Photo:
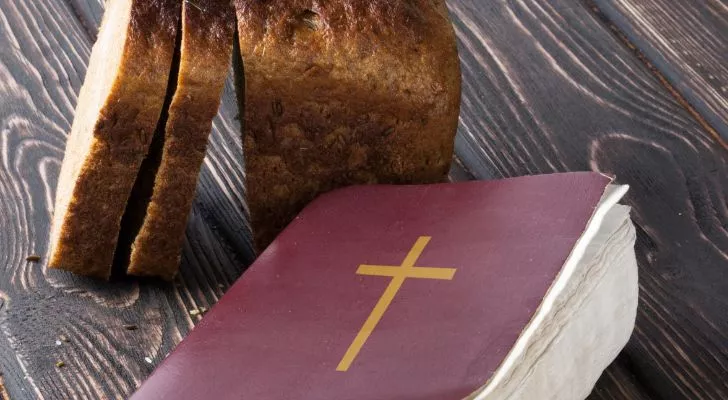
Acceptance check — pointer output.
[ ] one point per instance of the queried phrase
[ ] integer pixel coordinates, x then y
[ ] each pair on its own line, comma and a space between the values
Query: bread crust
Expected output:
343, 92
208, 28
94, 187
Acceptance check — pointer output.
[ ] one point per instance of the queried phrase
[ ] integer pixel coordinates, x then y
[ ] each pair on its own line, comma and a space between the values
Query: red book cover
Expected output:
386, 292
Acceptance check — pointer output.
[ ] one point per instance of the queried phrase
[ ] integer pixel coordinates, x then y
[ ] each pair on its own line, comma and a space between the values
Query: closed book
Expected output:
522, 288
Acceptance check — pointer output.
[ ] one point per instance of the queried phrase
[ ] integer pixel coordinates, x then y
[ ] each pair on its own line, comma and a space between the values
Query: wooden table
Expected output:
636, 88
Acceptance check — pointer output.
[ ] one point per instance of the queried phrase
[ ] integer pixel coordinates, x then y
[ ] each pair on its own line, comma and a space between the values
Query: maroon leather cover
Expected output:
282, 331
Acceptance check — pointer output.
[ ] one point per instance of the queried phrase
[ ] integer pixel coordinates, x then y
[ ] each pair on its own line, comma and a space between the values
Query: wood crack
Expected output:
619, 34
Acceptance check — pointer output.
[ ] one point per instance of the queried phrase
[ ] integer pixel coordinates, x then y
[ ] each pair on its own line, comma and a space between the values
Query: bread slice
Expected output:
342, 92
207, 32
118, 108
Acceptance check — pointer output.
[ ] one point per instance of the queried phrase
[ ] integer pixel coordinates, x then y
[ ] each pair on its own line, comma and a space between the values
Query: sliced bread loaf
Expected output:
207, 33
334, 93
118, 108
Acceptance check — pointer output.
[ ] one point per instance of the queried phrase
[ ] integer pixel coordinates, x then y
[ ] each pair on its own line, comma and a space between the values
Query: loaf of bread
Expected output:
118, 108
206, 45
335, 93
331, 93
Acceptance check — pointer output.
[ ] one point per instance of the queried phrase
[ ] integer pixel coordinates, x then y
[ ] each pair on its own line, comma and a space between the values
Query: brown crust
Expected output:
88, 229
3, 392
343, 92
207, 35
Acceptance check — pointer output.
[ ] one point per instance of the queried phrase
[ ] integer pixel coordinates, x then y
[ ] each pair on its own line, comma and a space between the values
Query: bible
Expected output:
522, 288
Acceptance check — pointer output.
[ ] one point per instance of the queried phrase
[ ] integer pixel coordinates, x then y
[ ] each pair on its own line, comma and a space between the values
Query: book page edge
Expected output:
610, 198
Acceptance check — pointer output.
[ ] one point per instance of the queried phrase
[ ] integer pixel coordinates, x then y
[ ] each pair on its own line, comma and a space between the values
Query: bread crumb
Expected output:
60, 364
3, 392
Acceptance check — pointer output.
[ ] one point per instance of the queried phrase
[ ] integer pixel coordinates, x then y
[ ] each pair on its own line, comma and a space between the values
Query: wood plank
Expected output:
617, 382
548, 87
687, 41
89, 13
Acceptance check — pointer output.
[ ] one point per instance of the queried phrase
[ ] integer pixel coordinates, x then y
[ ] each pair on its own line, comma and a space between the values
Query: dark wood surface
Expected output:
687, 41
548, 86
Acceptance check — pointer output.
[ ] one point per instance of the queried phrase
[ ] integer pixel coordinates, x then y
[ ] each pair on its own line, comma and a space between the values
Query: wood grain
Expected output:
546, 88
687, 41
549, 88
89, 14
618, 382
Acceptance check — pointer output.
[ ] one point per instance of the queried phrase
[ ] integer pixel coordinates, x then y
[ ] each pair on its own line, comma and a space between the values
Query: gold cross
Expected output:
398, 273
